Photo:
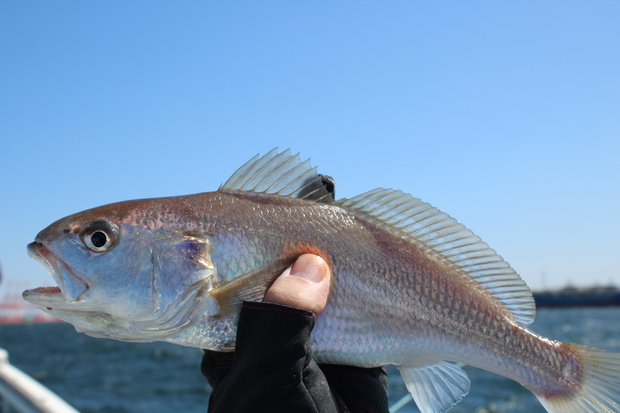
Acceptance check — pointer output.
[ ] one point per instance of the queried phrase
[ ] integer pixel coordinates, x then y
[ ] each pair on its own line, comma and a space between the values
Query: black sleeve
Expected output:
272, 369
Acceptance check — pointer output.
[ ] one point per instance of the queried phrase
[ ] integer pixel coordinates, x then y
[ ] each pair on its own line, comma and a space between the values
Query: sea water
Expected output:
97, 376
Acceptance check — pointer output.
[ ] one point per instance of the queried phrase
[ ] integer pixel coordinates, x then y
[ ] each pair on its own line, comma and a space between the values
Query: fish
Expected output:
411, 286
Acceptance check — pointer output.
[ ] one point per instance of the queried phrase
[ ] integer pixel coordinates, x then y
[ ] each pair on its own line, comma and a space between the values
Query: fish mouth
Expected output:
71, 288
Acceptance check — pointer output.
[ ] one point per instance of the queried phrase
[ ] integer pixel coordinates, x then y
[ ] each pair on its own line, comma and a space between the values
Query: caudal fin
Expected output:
599, 389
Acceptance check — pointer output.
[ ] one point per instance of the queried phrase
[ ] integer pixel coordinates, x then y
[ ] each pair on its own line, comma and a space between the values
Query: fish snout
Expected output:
37, 250
71, 285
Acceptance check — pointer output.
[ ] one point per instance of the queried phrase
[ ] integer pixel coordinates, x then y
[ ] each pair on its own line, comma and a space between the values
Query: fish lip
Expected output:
45, 297
44, 256
57, 268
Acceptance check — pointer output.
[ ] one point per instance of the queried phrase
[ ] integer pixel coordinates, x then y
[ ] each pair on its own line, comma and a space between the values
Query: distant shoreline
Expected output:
578, 297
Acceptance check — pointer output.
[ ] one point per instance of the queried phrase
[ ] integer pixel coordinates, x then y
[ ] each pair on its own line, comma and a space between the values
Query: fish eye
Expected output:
100, 236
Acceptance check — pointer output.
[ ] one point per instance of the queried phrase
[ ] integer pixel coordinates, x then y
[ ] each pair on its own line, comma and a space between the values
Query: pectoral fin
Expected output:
437, 387
251, 286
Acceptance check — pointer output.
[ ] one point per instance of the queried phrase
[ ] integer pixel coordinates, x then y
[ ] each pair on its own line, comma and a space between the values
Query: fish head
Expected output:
130, 271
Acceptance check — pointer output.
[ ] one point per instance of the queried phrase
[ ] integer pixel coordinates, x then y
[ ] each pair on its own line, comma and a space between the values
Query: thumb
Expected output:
303, 285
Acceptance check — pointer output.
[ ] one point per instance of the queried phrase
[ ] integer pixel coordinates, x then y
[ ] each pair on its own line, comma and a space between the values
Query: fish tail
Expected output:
598, 389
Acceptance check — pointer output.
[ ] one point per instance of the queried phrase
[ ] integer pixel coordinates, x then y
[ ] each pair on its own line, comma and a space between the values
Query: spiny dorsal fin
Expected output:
281, 174
442, 236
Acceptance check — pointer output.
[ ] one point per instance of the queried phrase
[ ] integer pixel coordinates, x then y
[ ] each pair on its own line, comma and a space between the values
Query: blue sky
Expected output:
505, 115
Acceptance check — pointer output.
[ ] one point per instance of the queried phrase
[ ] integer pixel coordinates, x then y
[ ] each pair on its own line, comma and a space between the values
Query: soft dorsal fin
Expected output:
281, 174
442, 236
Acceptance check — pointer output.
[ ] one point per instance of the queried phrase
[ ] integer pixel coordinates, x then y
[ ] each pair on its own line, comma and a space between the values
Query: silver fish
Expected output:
411, 286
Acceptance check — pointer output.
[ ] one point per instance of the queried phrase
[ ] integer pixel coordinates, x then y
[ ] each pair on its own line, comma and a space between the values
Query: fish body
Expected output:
411, 286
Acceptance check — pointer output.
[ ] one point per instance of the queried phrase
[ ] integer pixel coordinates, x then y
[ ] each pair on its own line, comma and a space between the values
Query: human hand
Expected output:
304, 285
273, 365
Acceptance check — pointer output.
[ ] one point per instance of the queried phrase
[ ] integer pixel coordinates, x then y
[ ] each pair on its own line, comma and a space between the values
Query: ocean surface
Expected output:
97, 376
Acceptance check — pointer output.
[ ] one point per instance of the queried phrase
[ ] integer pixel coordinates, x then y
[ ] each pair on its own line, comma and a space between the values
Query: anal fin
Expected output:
437, 387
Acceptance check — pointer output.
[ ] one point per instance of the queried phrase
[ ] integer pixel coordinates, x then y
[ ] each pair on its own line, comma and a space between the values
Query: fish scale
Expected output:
410, 286
431, 292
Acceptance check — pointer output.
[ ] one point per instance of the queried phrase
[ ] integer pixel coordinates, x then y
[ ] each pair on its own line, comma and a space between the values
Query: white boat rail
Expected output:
19, 393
